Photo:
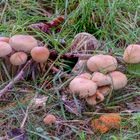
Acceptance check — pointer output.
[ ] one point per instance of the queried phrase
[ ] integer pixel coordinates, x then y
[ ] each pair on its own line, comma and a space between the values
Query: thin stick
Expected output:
15, 80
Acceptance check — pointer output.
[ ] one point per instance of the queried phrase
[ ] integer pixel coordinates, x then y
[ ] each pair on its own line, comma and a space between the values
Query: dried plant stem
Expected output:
15, 80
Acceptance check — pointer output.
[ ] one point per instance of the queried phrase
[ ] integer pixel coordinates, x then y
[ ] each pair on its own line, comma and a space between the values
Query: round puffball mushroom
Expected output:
4, 39
40, 54
5, 49
84, 42
23, 42
101, 79
83, 87
132, 54
49, 119
119, 80
106, 63
18, 58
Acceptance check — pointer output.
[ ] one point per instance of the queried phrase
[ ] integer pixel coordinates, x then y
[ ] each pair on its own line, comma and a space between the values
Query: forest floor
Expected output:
115, 24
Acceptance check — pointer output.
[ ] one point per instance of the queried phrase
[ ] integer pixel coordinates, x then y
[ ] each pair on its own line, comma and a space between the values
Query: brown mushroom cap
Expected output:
119, 80
101, 79
49, 119
5, 49
132, 54
23, 42
83, 87
40, 54
102, 62
18, 58
4, 39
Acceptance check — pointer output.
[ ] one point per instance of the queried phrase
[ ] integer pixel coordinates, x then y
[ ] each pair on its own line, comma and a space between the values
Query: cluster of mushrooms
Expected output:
18, 47
102, 76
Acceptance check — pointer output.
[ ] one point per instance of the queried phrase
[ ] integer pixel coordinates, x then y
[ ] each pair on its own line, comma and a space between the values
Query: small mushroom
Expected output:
18, 58
101, 79
23, 42
84, 42
132, 54
4, 39
5, 49
102, 62
105, 90
49, 119
119, 80
92, 100
40, 54
82, 86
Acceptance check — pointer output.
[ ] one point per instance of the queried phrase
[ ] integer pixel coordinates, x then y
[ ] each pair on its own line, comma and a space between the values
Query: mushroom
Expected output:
18, 58
4, 39
84, 41
23, 42
40, 54
132, 54
92, 100
102, 62
119, 80
101, 79
49, 119
5, 49
105, 90
82, 86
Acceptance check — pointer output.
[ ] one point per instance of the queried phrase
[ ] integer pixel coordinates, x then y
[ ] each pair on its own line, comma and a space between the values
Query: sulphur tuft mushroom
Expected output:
18, 58
84, 42
49, 119
40, 54
4, 39
5, 49
105, 63
83, 87
101, 79
119, 80
132, 54
23, 42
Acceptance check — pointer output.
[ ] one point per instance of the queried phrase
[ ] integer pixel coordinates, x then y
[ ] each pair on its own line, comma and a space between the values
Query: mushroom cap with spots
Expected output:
119, 80
132, 54
101, 79
105, 63
5, 49
40, 54
18, 58
23, 42
83, 87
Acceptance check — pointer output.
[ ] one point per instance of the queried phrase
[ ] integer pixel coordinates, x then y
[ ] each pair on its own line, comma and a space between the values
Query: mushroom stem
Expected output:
15, 80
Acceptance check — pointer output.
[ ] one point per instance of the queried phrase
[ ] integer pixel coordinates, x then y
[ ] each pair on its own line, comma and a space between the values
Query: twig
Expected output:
15, 80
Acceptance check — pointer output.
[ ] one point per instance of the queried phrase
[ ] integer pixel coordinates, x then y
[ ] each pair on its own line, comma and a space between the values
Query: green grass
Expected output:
114, 23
